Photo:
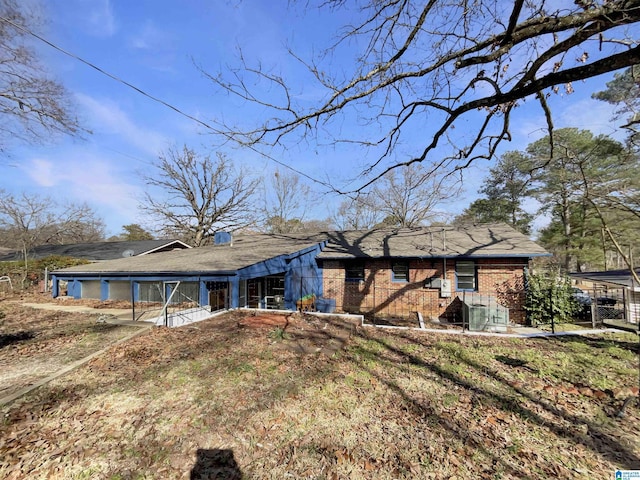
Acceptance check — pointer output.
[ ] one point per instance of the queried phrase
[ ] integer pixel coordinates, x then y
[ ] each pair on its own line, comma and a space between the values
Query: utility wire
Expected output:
158, 100
113, 77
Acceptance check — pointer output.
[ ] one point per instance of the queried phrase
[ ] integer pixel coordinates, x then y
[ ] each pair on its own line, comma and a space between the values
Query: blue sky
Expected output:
153, 45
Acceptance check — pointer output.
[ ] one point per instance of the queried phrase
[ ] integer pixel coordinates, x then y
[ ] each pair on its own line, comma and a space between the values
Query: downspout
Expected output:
444, 266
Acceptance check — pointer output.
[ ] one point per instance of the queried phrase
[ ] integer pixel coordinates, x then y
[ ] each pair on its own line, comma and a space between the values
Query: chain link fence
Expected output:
168, 303
614, 305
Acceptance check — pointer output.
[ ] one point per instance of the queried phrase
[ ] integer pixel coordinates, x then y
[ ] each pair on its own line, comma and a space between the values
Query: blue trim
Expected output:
203, 294
135, 287
393, 274
475, 277
74, 289
55, 286
439, 257
302, 276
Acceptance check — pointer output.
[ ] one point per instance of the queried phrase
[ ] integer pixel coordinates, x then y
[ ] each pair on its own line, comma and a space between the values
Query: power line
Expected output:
160, 101
110, 75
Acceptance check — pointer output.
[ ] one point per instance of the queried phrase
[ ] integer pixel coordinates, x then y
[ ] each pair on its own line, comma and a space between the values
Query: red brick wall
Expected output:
379, 294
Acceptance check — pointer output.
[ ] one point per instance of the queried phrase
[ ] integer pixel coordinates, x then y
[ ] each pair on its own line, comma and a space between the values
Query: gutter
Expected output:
145, 273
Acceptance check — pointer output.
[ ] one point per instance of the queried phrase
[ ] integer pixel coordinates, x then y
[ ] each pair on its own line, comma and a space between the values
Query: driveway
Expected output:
119, 313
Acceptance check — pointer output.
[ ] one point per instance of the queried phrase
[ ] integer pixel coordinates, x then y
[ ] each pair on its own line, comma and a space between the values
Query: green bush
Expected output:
55, 262
549, 297
35, 268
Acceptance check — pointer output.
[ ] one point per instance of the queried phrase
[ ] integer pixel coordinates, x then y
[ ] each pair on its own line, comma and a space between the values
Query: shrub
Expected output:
35, 268
549, 297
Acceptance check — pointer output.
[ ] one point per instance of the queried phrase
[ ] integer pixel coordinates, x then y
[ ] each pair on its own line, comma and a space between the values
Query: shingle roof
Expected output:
248, 249
488, 240
97, 251
245, 250
615, 277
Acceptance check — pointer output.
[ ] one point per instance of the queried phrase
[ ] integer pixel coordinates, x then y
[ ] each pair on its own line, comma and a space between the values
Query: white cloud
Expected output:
100, 19
529, 123
587, 114
80, 176
42, 172
149, 37
109, 118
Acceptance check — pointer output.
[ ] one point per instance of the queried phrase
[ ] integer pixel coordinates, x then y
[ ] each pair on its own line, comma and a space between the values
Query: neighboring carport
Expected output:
610, 289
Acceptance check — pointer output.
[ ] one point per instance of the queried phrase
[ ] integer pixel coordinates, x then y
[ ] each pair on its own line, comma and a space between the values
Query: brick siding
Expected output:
378, 294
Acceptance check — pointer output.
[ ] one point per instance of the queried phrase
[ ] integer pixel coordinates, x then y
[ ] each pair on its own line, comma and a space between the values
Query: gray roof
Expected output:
487, 240
97, 251
243, 251
249, 249
615, 277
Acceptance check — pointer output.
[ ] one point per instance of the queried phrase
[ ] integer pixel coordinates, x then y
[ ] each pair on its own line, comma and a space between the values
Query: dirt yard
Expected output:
245, 396
35, 343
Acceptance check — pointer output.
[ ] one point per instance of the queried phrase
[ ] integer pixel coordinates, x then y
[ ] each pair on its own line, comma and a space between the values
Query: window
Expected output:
466, 276
354, 272
400, 272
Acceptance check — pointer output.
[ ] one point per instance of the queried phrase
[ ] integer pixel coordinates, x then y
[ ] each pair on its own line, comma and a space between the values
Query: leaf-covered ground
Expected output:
36, 343
301, 397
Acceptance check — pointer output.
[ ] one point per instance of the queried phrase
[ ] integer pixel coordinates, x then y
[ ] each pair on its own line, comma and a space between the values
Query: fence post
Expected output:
373, 310
464, 301
553, 315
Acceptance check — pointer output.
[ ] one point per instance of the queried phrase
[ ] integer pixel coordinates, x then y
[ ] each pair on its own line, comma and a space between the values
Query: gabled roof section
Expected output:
488, 240
98, 251
245, 250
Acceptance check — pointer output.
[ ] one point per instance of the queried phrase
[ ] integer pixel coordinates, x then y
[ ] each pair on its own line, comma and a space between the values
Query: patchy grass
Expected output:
36, 343
229, 398
566, 326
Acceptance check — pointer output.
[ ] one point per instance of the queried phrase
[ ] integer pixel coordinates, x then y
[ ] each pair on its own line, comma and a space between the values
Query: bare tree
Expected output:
31, 220
196, 195
410, 196
86, 227
32, 105
286, 202
455, 71
358, 213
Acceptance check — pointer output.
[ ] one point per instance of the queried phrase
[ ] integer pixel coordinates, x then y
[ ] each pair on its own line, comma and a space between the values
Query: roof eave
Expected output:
148, 273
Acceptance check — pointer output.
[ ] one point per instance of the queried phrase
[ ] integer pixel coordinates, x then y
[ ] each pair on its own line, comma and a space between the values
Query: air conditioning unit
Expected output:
484, 314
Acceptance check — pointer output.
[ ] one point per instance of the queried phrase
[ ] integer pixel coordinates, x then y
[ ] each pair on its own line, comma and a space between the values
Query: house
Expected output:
613, 287
98, 251
253, 270
427, 270
383, 272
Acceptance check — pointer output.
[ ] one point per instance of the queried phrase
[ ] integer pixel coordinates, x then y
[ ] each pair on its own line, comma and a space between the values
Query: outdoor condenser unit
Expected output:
484, 314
